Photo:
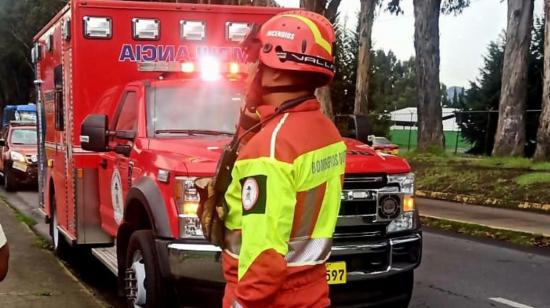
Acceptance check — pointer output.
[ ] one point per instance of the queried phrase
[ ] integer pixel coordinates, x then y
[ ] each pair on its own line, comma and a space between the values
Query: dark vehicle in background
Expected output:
383, 145
354, 126
359, 128
19, 157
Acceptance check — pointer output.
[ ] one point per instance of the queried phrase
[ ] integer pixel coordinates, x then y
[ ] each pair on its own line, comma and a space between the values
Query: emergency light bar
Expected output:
208, 68
145, 29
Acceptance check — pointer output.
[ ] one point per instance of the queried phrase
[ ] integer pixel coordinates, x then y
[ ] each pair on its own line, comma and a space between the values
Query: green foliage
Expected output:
460, 175
533, 178
343, 84
392, 82
447, 6
484, 95
20, 20
29, 221
511, 163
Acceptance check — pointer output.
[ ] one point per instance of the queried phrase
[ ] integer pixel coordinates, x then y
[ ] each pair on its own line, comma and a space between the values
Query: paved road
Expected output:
456, 271
507, 219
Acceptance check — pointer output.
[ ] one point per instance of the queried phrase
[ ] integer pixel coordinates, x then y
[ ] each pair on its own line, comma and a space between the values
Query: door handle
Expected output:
103, 163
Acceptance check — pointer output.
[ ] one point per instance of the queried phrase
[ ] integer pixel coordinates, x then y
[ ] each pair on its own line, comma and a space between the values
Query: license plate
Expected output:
20, 166
336, 272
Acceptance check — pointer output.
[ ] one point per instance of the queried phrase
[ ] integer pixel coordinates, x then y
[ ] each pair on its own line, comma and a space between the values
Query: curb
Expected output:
485, 225
482, 200
40, 228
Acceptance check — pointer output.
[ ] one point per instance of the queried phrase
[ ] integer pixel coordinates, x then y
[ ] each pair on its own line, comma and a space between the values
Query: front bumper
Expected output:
376, 259
26, 175
365, 261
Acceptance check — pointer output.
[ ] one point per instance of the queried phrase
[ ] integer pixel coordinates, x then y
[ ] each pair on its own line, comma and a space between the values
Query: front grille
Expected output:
348, 208
365, 181
31, 159
359, 233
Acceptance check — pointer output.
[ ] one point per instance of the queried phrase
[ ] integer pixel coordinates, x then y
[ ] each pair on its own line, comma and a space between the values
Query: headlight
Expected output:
405, 181
16, 156
404, 222
187, 200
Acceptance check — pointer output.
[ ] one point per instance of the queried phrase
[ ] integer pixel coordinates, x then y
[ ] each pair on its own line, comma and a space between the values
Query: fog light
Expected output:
404, 222
190, 227
389, 207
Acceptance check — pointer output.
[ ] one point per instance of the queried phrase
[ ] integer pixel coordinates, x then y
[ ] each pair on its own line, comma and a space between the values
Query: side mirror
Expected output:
94, 133
363, 129
2, 143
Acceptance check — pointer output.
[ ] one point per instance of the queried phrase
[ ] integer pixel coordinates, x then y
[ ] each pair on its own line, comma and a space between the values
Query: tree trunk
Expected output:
543, 134
426, 45
366, 18
323, 93
317, 6
510, 135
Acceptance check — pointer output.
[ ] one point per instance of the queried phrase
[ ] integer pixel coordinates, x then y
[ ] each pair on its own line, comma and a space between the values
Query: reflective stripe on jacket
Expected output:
284, 200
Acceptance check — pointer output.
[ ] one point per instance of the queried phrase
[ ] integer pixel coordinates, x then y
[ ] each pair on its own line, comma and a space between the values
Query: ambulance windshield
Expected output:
205, 109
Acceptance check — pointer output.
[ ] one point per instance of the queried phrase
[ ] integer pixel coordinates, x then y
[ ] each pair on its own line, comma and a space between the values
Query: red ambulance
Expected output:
136, 102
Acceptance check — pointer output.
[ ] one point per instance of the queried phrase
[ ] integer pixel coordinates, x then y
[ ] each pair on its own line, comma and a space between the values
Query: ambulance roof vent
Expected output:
98, 27
146, 29
236, 31
193, 30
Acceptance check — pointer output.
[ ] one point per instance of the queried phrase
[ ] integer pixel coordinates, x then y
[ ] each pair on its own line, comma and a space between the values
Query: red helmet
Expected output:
299, 41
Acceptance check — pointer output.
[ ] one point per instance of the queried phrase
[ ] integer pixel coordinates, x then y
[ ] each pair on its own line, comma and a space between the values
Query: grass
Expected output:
29, 221
401, 138
533, 178
517, 238
513, 163
512, 180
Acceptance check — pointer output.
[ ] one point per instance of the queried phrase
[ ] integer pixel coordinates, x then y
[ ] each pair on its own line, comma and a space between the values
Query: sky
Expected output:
463, 38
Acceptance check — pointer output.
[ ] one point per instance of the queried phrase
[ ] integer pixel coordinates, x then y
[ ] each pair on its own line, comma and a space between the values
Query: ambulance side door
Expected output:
115, 167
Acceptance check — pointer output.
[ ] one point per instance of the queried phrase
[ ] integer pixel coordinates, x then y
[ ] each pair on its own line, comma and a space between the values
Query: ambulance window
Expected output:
58, 98
127, 118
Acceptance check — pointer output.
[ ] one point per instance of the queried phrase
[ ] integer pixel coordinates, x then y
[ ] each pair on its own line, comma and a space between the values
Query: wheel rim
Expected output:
136, 291
55, 231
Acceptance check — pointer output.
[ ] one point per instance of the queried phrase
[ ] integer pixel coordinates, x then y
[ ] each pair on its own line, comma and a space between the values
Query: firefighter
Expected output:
284, 196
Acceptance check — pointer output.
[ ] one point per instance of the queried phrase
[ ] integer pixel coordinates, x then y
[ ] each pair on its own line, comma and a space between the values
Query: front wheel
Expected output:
9, 180
143, 284
405, 284
60, 245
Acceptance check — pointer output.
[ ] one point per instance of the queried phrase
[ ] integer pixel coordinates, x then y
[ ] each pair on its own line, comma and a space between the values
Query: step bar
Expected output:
108, 257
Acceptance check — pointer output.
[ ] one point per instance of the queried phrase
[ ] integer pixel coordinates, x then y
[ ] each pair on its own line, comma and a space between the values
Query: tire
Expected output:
60, 246
9, 181
405, 285
144, 285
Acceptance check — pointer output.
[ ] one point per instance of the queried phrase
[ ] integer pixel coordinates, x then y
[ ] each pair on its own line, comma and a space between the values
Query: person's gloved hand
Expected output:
211, 212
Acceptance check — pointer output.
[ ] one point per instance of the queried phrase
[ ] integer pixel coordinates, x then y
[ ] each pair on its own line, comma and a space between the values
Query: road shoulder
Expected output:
36, 278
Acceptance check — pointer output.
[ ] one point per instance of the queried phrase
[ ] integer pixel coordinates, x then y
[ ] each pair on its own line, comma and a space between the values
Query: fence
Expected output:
463, 130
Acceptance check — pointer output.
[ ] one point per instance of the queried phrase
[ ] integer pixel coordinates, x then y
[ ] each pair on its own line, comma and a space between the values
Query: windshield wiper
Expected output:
192, 132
